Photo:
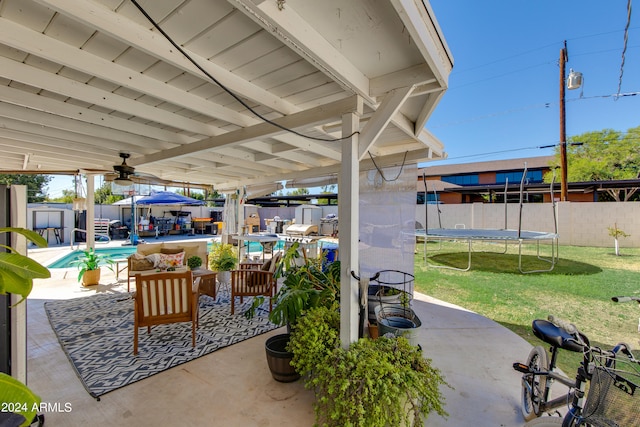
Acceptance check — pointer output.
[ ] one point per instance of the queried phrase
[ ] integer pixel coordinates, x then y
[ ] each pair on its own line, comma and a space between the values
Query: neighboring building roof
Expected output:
437, 185
490, 166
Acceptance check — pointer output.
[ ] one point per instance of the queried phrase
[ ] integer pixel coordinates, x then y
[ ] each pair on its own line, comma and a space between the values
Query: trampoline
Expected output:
494, 235
505, 235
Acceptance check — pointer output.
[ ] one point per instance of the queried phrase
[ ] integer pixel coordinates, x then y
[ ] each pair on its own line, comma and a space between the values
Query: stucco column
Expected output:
348, 214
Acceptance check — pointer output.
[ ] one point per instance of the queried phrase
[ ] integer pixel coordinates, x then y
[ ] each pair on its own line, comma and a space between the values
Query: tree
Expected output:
104, 195
36, 185
604, 155
299, 192
193, 194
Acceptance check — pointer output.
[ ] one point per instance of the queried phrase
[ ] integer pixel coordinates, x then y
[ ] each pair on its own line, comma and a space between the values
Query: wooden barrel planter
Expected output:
279, 359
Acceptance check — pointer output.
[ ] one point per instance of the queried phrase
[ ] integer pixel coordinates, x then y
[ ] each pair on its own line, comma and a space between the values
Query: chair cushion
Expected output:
171, 260
171, 251
254, 279
149, 248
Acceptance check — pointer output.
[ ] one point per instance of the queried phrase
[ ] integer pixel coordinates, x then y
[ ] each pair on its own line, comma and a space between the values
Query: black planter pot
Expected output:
279, 359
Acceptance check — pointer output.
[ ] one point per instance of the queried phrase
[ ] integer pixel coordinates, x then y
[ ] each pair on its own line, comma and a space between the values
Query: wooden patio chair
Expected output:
253, 282
163, 298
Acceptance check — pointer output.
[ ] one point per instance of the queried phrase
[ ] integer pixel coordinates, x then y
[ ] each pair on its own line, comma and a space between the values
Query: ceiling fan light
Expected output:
123, 181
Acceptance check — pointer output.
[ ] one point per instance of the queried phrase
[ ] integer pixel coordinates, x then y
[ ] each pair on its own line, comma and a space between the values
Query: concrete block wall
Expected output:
579, 224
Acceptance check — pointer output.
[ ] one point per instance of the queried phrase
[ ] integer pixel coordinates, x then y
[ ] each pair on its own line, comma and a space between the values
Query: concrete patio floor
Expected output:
233, 386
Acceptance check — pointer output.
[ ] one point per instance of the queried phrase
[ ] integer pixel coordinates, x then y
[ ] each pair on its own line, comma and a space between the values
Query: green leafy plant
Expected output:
91, 261
16, 276
18, 271
314, 337
194, 262
305, 285
222, 257
373, 383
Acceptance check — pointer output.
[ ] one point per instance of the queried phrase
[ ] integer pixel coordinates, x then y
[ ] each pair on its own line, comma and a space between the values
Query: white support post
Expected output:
348, 212
91, 200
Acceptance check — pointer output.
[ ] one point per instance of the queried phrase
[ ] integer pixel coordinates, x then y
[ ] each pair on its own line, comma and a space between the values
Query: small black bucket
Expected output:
279, 359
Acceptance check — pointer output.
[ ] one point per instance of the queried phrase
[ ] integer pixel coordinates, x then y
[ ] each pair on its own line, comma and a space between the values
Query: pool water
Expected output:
113, 253
124, 251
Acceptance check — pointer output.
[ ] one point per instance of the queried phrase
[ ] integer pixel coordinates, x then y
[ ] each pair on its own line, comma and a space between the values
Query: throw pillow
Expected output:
266, 266
154, 259
140, 263
171, 260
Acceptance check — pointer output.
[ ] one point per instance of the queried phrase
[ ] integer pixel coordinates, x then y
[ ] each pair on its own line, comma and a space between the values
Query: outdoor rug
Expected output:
96, 333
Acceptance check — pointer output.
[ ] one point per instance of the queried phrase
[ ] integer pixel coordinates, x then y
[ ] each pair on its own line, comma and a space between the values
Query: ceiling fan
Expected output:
124, 171
125, 175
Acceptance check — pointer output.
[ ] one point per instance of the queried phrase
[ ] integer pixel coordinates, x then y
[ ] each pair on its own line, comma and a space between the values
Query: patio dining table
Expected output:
267, 241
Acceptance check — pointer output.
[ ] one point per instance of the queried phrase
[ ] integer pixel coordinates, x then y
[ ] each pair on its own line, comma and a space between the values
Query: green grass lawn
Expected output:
579, 289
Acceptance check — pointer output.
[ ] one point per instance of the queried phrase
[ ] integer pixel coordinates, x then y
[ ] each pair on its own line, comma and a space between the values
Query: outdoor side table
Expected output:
207, 281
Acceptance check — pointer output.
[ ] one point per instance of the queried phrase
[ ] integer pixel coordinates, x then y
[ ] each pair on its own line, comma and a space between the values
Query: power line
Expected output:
509, 58
624, 48
529, 107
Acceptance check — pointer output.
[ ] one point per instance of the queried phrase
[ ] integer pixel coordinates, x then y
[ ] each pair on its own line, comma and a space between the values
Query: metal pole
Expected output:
563, 136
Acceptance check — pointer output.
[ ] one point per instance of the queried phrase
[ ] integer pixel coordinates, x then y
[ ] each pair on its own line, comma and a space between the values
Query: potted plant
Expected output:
304, 286
89, 267
222, 259
16, 277
194, 262
373, 383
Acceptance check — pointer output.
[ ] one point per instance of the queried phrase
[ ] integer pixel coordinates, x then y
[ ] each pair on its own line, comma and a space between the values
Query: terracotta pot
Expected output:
373, 331
91, 277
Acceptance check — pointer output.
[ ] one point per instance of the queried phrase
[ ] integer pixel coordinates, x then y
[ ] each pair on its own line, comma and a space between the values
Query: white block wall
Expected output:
579, 224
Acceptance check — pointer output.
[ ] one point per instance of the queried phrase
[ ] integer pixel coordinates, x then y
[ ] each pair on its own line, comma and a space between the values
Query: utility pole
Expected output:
564, 192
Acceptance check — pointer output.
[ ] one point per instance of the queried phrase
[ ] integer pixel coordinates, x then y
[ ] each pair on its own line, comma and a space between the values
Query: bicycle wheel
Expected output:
533, 385
545, 422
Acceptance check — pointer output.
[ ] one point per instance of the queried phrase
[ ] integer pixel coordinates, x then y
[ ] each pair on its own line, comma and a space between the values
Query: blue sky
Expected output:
503, 95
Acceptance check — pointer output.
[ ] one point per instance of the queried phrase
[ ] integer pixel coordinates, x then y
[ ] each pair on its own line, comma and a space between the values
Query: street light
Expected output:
574, 82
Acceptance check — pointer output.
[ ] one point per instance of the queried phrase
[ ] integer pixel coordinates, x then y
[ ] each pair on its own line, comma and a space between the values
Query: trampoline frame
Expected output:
496, 235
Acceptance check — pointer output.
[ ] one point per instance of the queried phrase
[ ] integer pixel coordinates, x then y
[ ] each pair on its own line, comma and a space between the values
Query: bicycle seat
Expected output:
557, 337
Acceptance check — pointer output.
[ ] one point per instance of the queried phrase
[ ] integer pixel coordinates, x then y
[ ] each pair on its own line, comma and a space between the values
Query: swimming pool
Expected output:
123, 252
113, 253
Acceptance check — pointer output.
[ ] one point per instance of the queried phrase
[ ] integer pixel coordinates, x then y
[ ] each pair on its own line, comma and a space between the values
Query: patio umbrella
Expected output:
168, 198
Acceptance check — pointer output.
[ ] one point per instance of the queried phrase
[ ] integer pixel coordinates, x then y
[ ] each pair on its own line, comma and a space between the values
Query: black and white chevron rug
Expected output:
96, 333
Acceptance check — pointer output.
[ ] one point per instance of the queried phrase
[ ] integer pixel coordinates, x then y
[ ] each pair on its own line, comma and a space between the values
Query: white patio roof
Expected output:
82, 80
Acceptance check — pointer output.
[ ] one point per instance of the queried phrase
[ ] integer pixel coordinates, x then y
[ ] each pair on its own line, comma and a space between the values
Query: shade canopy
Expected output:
128, 201
168, 198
